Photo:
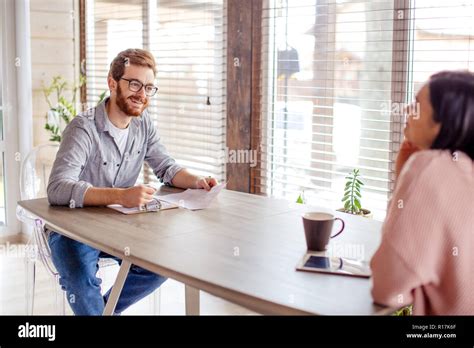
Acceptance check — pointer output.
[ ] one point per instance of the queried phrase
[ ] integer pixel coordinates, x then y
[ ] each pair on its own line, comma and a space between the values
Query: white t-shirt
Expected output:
120, 135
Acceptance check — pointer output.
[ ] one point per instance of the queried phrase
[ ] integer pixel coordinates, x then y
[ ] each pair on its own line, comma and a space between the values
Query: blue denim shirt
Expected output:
88, 156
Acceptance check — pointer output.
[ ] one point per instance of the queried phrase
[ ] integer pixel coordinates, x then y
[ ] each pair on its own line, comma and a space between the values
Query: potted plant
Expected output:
352, 195
61, 109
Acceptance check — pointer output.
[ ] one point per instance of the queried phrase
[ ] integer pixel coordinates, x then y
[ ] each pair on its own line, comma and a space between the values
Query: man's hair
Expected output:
131, 56
452, 98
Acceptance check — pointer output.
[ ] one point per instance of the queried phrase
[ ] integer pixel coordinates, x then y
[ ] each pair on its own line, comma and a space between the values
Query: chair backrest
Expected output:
34, 176
35, 171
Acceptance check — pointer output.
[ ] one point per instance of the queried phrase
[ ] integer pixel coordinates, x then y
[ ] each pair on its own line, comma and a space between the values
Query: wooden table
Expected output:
244, 248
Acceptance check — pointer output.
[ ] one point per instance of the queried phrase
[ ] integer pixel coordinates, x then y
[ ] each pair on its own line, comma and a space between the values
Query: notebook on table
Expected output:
153, 206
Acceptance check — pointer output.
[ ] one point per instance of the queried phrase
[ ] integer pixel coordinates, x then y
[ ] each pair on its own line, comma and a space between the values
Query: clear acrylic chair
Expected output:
34, 176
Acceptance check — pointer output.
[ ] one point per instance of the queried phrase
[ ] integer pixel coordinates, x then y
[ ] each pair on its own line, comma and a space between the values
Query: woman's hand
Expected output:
406, 150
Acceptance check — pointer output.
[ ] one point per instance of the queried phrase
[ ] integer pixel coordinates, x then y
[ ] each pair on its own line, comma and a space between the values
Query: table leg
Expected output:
191, 300
117, 287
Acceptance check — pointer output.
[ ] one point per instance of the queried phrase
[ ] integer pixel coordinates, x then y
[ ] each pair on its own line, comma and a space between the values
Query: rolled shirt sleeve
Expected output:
64, 186
163, 165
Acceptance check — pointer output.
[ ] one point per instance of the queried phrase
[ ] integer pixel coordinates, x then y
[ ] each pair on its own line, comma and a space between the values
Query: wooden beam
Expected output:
255, 131
239, 91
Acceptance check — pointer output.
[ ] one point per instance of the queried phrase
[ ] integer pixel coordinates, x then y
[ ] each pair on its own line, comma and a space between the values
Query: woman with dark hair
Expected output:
426, 256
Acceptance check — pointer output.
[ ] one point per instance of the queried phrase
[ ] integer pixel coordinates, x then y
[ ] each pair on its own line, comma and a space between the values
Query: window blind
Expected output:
190, 46
336, 77
442, 38
187, 39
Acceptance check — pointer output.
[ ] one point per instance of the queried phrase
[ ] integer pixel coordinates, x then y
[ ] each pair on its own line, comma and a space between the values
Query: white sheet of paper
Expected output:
193, 199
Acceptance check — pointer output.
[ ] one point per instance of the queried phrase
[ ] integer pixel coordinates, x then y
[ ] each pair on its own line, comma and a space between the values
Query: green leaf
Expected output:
357, 203
55, 138
299, 199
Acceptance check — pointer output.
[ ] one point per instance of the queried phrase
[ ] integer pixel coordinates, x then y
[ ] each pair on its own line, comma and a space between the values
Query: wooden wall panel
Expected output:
53, 52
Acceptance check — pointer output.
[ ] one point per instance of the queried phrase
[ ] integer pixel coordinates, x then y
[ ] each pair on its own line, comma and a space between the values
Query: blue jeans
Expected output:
77, 265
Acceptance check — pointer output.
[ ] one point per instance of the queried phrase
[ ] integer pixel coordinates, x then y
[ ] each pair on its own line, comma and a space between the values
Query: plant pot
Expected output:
364, 213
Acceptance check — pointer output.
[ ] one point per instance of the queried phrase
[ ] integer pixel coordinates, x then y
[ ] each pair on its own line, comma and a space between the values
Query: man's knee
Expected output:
75, 262
79, 279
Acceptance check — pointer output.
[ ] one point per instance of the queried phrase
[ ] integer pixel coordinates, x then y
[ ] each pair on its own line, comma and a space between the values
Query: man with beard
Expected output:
101, 155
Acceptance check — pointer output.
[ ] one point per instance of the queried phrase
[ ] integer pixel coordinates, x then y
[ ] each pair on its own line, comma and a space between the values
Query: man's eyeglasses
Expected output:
136, 86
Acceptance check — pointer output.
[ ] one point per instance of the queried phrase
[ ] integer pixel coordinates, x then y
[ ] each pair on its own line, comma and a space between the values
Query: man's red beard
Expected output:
128, 105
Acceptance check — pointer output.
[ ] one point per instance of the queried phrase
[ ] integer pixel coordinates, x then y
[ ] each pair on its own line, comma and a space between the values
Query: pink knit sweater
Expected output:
427, 252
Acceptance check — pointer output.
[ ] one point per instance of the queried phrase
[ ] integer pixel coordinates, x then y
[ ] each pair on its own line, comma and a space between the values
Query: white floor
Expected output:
13, 293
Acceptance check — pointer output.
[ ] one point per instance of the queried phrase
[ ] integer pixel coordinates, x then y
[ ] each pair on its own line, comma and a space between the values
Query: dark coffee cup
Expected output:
318, 228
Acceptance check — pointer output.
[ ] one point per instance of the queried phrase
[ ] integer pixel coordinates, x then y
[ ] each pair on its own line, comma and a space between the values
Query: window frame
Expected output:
14, 19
